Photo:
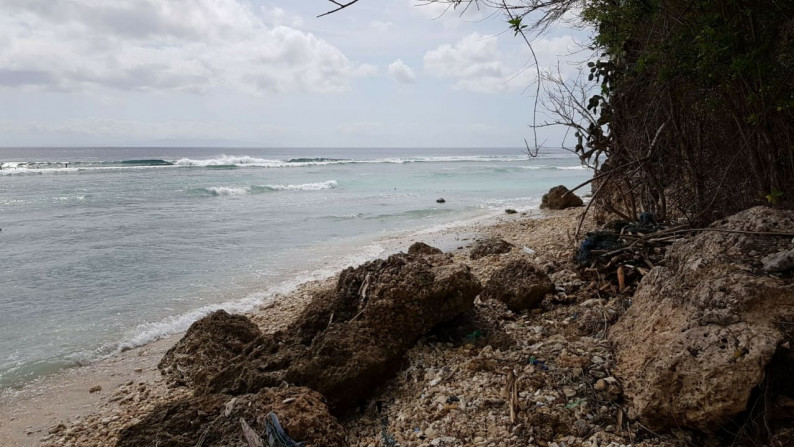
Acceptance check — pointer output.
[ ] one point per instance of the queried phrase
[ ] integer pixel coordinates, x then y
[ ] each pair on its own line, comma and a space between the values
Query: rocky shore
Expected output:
507, 341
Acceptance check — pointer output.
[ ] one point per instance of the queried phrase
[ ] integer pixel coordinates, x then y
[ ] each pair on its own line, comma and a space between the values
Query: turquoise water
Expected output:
107, 248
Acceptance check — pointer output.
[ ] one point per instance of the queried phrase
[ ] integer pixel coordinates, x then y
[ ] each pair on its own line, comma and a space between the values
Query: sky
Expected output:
232, 73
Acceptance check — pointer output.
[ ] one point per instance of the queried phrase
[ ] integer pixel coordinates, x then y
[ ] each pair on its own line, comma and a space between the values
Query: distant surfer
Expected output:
66, 165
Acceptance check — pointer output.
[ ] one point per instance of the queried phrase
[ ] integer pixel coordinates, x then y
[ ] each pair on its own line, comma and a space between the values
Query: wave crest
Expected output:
260, 189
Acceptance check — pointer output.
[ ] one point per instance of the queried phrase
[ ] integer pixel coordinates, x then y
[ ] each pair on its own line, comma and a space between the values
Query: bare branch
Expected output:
340, 6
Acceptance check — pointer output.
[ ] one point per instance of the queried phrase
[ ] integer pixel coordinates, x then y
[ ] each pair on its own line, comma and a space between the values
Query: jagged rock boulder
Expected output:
420, 248
351, 339
558, 198
779, 262
216, 417
195, 357
489, 246
519, 284
702, 330
405, 298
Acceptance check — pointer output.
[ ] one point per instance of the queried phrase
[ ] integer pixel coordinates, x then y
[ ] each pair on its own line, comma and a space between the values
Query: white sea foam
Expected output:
243, 190
243, 161
573, 168
227, 191
229, 160
561, 168
151, 332
247, 161
305, 186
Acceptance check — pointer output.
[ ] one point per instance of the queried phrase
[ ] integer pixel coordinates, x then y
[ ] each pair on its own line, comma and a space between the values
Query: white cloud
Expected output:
477, 64
401, 73
381, 27
474, 63
191, 45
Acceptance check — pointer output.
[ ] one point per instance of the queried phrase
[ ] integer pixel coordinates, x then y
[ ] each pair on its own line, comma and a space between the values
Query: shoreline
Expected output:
40, 410
252, 295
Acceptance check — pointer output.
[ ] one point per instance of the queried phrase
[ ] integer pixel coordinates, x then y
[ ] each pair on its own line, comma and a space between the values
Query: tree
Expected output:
688, 107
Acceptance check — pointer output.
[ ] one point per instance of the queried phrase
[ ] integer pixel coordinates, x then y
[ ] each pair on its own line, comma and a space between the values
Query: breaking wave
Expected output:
259, 189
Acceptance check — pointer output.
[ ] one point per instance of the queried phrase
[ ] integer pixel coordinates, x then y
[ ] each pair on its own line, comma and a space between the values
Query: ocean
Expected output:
103, 249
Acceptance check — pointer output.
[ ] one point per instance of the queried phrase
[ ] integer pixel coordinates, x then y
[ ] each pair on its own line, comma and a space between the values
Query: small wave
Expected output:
228, 160
412, 214
149, 332
573, 168
146, 163
226, 191
260, 189
248, 161
303, 187
556, 168
315, 160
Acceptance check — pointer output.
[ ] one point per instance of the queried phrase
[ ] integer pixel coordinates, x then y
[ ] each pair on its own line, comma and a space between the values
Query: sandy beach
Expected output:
88, 405
542, 377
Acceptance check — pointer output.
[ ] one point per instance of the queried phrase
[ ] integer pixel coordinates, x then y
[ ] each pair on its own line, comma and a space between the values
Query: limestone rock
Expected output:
420, 248
207, 345
301, 412
350, 339
702, 330
779, 262
519, 284
556, 199
490, 246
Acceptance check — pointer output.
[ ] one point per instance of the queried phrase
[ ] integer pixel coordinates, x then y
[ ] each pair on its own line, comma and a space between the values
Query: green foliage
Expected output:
717, 76
774, 197
516, 25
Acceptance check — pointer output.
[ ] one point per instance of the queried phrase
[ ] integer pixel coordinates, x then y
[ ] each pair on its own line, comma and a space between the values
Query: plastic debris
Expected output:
597, 241
276, 436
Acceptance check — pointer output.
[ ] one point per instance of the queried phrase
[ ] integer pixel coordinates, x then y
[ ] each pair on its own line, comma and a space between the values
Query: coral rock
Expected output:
490, 246
519, 284
559, 198
702, 330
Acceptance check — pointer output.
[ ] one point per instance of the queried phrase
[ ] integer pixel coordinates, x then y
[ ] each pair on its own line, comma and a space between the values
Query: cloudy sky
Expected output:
266, 73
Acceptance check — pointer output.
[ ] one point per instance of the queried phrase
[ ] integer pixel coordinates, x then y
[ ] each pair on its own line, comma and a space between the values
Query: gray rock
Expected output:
779, 262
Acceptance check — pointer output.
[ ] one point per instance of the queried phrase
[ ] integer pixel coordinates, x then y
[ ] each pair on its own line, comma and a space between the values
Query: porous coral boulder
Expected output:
352, 338
207, 345
396, 302
489, 246
519, 284
560, 198
420, 248
702, 329
215, 419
